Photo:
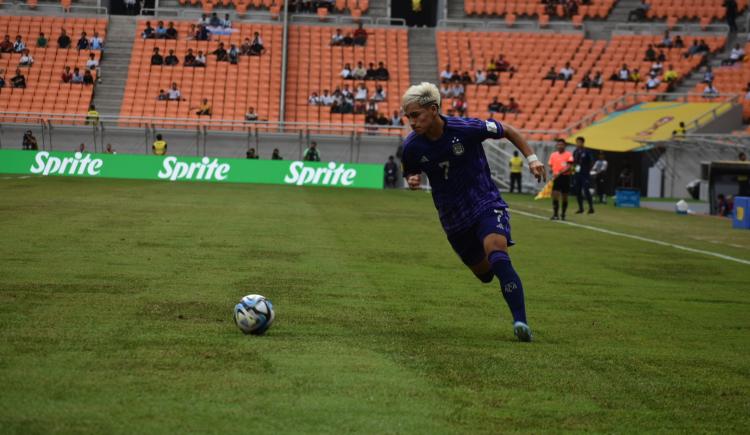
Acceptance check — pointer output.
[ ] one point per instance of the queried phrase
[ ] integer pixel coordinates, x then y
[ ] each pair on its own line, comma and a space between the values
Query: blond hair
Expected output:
423, 94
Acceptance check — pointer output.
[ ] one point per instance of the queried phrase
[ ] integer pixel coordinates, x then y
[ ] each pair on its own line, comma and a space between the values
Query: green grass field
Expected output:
116, 301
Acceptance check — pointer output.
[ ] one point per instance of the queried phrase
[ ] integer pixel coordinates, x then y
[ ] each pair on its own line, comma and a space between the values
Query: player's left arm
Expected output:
535, 165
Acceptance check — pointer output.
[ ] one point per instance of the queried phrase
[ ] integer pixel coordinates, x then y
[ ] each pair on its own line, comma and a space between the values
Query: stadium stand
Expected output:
704, 10
547, 105
314, 66
45, 92
598, 9
354, 7
231, 89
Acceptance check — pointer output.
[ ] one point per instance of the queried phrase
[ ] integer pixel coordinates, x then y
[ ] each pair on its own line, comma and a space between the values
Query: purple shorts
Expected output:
469, 243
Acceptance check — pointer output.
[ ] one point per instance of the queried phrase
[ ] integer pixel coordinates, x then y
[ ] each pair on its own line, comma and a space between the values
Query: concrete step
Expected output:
422, 55
114, 65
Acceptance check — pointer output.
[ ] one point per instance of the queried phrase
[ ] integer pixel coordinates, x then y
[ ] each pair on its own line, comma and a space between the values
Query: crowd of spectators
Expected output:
348, 39
566, 8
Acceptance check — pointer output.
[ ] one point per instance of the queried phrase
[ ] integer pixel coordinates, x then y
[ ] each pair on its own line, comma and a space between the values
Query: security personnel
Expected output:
159, 146
516, 168
92, 116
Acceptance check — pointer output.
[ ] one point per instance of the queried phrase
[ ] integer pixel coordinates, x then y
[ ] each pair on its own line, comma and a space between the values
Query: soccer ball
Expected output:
254, 314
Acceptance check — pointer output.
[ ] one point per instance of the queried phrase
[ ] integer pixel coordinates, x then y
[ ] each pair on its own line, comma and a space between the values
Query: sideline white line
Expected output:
631, 236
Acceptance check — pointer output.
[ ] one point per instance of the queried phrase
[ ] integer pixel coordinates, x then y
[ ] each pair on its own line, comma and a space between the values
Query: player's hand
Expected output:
414, 181
537, 169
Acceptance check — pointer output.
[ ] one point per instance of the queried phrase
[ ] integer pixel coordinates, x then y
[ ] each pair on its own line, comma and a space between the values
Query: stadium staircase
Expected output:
378, 8
619, 13
423, 55
456, 9
114, 65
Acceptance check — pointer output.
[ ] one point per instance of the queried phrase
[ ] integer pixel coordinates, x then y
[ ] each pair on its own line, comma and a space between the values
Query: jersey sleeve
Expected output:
409, 166
486, 129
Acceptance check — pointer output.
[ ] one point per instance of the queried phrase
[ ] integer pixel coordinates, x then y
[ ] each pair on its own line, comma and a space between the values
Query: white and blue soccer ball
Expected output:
254, 314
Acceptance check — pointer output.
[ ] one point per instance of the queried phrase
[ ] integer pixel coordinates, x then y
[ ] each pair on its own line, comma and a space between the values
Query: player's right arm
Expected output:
411, 172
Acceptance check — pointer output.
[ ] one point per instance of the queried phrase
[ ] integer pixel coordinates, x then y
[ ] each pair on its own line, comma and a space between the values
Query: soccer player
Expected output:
583, 161
474, 216
560, 162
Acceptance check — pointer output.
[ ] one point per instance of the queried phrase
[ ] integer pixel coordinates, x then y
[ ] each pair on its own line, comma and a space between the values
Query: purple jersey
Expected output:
462, 187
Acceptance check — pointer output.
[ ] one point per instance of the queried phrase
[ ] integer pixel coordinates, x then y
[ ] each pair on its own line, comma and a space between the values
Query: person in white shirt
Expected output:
96, 42
624, 74
346, 72
445, 91
652, 82
457, 90
737, 55
314, 99
710, 91
480, 77
200, 59
337, 38
19, 45
326, 99
359, 73
226, 22
446, 75
174, 94
77, 76
92, 63
26, 59
204, 20
346, 92
657, 67
566, 72
598, 173
361, 94
396, 120
379, 94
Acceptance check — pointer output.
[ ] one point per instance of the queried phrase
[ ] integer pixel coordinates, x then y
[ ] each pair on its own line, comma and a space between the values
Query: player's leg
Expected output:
555, 204
587, 191
578, 190
471, 252
494, 231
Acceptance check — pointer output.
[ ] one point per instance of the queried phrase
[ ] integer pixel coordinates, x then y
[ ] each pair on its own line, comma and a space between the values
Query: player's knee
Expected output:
486, 277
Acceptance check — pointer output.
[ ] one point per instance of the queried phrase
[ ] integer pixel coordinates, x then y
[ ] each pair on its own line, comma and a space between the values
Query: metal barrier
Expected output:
54, 9
658, 28
500, 26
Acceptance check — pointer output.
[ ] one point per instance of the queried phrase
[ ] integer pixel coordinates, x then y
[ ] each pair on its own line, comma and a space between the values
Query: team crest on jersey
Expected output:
491, 126
458, 147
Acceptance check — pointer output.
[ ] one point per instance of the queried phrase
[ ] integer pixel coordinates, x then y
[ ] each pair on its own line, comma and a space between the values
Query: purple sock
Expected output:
510, 284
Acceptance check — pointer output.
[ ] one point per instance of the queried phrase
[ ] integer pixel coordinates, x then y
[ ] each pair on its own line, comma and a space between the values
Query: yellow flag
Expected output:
416, 5
546, 191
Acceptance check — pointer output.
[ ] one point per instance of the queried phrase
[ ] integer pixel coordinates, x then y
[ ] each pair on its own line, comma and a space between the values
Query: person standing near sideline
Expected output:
516, 166
599, 172
583, 162
560, 163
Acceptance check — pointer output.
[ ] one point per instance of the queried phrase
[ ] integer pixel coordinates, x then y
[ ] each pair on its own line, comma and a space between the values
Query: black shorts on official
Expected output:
561, 184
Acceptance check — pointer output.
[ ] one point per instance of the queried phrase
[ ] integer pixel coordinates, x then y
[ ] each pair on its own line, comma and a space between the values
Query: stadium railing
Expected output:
53, 8
497, 25
688, 28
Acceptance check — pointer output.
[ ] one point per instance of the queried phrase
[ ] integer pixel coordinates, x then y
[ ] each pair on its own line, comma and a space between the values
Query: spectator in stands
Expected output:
571, 8
311, 154
214, 21
19, 46
666, 41
391, 172
346, 72
586, 81
656, 67
148, 31
457, 90
446, 75
502, 65
396, 120
96, 42
88, 78
156, 58
480, 77
246, 47
382, 119
77, 77
710, 91
6, 46
202, 34
671, 77
200, 60
338, 38
455, 76
348, 40
370, 72
92, 63
495, 106
42, 40
250, 115
361, 93
29, 141
171, 32
551, 75
360, 35
678, 42
326, 99
693, 50
63, 41
66, 75
492, 78
275, 155
650, 53
708, 75
161, 31
445, 90
513, 106
639, 13
653, 81
598, 81
204, 108
348, 105
491, 65
159, 146
257, 48
466, 78
623, 75
635, 76
171, 59
234, 54
731, 11
163, 96
189, 58
460, 105
359, 73
379, 94
25, 59
174, 94
566, 73
661, 57
221, 53
204, 20
313, 99
737, 55
251, 154
226, 22
382, 72
18, 80
83, 42
703, 47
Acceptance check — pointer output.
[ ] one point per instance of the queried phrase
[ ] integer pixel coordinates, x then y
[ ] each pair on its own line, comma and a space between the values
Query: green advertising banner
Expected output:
174, 168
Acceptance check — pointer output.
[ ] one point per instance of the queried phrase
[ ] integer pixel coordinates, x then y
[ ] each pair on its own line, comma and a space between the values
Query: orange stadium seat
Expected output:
44, 90
703, 10
596, 9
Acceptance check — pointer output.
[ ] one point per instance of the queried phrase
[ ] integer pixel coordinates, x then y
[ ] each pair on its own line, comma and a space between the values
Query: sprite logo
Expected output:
330, 175
206, 169
77, 165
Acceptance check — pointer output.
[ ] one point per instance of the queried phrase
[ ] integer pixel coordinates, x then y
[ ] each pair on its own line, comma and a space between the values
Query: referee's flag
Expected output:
546, 191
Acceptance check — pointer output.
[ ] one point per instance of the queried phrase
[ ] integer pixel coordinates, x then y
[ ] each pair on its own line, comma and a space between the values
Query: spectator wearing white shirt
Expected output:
77, 76
200, 59
19, 45
361, 94
396, 120
379, 94
174, 94
359, 73
226, 22
446, 75
710, 91
566, 72
337, 38
652, 82
326, 99
457, 90
708, 75
737, 55
346, 72
92, 63
96, 42
346, 92
313, 99
26, 59
480, 77
445, 91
